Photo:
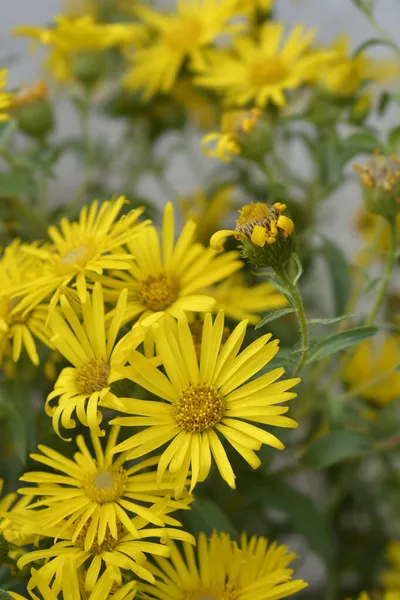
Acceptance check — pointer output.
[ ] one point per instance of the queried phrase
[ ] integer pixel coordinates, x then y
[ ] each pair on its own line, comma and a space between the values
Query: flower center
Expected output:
254, 214
158, 292
73, 255
93, 376
224, 593
266, 71
77, 255
108, 543
199, 407
380, 172
184, 35
105, 486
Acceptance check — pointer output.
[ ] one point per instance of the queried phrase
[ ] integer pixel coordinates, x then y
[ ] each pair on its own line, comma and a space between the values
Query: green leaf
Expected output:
339, 273
394, 139
4, 595
329, 161
6, 131
305, 518
372, 283
275, 314
340, 341
328, 320
360, 143
279, 286
299, 268
336, 447
16, 184
205, 515
370, 43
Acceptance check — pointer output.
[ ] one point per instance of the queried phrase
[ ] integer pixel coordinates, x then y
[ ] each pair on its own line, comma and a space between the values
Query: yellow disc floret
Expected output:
199, 407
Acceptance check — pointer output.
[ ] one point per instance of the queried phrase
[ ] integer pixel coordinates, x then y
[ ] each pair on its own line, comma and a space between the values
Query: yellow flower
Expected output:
258, 223
28, 94
10, 505
90, 346
373, 367
227, 144
19, 328
81, 250
169, 277
250, 7
184, 35
6, 98
240, 301
344, 74
380, 177
391, 575
223, 569
95, 495
201, 399
200, 108
262, 71
71, 39
375, 232
389, 595
207, 212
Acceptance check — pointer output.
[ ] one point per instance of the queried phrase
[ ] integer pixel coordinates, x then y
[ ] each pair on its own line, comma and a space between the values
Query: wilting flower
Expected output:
380, 176
235, 126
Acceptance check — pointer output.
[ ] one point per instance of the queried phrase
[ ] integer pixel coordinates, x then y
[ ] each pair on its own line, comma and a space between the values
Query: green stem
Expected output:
84, 114
301, 318
381, 31
386, 276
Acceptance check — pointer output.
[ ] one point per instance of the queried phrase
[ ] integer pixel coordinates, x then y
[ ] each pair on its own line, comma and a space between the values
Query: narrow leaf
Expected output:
328, 320
281, 288
336, 447
340, 341
276, 314
205, 515
339, 273
299, 268
15, 184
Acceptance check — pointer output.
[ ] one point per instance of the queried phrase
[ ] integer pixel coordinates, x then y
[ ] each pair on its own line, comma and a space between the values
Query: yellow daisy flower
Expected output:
207, 212
373, 367
81, 250
19, 328
391, 575
90, 346
184, 35
235, 125
74, 38
258, 223
250, 7
223, 569
389, 595
375, 232
201, 399
262, 71
240, 301
6, 98
169, 277
95, 495
15, 535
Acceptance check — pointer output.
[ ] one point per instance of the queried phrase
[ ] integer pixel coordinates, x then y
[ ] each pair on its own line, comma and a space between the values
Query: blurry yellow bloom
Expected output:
184, 35
375, 232
71, 39
200, 109
81, 250
380, 177
207, 212
261, 71
201, 401
10, 504
234, 124
6, 98
389, 595
250, 7
19, 327
28, 94
371, 362
344, 74
391, 576
240, 301
222, 569
258, 223
168, 276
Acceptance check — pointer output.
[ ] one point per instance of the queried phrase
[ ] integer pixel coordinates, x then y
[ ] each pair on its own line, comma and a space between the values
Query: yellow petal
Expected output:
259, 236
286, 224
218, 239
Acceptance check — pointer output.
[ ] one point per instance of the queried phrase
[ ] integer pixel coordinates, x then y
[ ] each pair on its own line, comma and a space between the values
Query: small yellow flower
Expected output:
258, 223
10, 505
375, 232
225, 570
28, 94
234, 125
380, 176
6, 98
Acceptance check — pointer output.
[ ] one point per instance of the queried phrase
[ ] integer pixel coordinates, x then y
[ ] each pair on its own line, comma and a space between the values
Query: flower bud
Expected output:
33, 112
380, 177
88, 67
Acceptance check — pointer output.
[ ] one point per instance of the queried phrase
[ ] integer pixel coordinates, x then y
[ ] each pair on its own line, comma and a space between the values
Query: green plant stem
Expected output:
386, 276
84, 114
381, 31
301, 318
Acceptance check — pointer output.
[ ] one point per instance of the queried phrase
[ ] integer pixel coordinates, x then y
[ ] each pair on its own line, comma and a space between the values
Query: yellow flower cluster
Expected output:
117, 299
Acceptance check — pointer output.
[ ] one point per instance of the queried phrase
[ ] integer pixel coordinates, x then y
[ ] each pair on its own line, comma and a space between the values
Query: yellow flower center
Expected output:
76, 256
256, 214
158, 292
224, 593
93, 376
184, 35
105, 486
380, 172
199, 407
267, 71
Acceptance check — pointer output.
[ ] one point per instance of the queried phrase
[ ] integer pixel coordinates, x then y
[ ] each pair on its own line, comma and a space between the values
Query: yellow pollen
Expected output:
260, 214
184, 35
199, 407
158, 292
105, 486
93, 376
267, 70
222, 593
72, 256
380, 172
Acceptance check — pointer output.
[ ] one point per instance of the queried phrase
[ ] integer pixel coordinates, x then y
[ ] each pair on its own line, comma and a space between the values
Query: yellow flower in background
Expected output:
373, 367
10, 505
81, 250
223, 569
262, 71
207, 211
169, 276
250, 7
391, 575
93, 495
201, 400
389, 595
375, 232
184, 35
19, 328
234, 124
90, 345
258, 223
73, 40
200, 108
240, 301
29, 94
6, 98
